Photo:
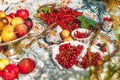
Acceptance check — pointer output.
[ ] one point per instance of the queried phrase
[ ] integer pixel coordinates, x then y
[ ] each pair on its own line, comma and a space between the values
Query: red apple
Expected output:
1, 49
0, 73
9, 19
10, 72
4, 20
23, 13
12, 15
28, 22
26, 65
20, 30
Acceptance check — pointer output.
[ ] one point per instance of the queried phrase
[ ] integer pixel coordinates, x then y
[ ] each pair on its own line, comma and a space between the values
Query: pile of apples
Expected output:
14, 25
10, 71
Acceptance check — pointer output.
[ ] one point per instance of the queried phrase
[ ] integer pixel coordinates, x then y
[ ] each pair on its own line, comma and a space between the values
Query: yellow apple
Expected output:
8, 27
3, 63
1, 25
0, 39
8, 35
17, 20
65, 33
2, 14
69, 38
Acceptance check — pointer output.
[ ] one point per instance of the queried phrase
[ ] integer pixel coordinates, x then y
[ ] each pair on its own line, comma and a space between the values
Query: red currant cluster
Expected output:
95, 60
65, 17
79, 34
68, 55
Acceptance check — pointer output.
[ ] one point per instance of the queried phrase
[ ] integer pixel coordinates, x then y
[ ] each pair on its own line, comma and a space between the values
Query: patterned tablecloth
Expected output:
40, 51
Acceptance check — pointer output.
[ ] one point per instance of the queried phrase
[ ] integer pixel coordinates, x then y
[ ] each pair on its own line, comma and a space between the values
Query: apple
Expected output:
8, 35
12, 15
23, 13
3, 63
65, 33
4, 20
0, 73
21, 30
17, 20
2, 14
0, 39
26, 65
1, 25
28, 22
8, 27
69, 38
10, 72
9, 19
1, 49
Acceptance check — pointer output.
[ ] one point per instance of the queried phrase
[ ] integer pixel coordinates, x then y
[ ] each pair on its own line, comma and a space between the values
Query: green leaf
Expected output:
85, 22
91, 22
81, 18
45, 9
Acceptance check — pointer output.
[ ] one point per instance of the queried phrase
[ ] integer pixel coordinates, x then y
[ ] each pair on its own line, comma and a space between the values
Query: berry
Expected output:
80, 35
68, 55
65, 17
95, 59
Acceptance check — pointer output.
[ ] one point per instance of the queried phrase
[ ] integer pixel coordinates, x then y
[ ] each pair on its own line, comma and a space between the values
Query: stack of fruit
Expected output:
10, 71
14, 25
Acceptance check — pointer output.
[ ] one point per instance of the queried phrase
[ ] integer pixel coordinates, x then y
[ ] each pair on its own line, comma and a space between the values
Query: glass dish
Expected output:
78, 32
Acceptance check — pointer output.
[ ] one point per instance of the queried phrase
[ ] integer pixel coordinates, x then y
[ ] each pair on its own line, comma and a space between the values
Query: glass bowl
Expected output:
12, 47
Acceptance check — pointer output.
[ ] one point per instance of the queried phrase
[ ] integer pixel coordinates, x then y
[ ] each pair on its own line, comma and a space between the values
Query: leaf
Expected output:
45, 9
91, 22
84, 25
82, 19
85, 22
